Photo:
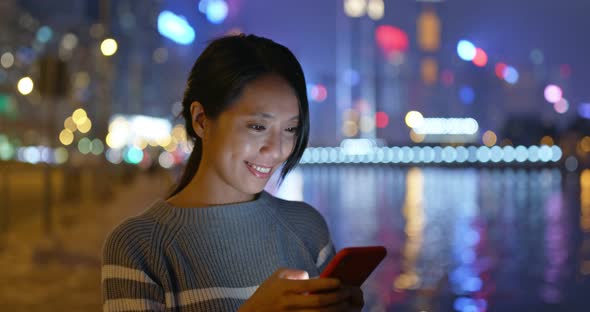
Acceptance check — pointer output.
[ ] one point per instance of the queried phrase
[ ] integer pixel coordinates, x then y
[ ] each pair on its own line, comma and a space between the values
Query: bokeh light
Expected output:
25, 85
355, 8
108, 47
466, 50
561, 106
511, 75
7, 60
553, 93
381, 120
414, 119
481, 58
216, 11
175, 27
375, 9
489, 138
66, 137
467, 95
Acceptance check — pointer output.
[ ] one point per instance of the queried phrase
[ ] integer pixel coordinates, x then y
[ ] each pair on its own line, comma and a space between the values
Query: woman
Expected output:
219, 242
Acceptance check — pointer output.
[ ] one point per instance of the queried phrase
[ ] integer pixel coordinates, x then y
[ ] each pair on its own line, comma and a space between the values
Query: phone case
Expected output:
353, 265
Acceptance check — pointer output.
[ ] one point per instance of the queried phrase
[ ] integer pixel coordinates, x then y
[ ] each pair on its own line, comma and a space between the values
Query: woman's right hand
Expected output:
292, 290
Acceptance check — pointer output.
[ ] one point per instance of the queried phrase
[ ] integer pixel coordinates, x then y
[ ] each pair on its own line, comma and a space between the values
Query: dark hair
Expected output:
220, 74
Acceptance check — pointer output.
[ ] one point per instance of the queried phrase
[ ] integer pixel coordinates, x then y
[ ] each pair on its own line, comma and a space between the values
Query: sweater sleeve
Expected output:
129, 279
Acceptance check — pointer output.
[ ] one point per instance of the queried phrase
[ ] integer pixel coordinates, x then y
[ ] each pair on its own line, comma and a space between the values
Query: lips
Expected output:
258, 170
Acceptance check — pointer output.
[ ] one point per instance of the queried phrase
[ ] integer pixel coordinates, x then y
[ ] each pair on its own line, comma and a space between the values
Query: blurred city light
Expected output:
85, 126
175, 27
467, 95
108, 47
381, 120
25, 85
66, 137
375, 9
7, 60
584, 110
414, 119
355, 8
70, 124
499, 70
365, 151
44, 34
318, 92
561, 106
69, 41
216, 11
553, 93
489, 138
466, 50
511, 75
445, 126
537, 57
481, 58
79, 116
391, 39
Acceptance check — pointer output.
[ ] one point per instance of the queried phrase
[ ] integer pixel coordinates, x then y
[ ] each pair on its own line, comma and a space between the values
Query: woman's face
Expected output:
249, 141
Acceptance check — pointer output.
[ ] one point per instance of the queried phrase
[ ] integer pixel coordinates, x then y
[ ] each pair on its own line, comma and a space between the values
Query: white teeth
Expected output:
261, 169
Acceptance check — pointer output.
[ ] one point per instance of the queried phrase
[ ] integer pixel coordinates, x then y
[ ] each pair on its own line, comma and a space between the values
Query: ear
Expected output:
198, 118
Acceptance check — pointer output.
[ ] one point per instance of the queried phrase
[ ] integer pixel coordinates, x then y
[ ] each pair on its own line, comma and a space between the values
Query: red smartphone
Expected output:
353, 265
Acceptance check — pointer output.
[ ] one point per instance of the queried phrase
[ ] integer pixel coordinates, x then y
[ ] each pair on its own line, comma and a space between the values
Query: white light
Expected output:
472, 154
496, 153
406, 154
114, 156
522, 153
462, 154
428, 154
355, 8
545, 153
556, 153
483, 154
108, 47
449, 154
25, 85
418, 154
437, 154
447, 126
166, 160
533, 153
509, 154
175, 27
375, 9
357, 146
414, 119
216, 11
7, 60
553, 93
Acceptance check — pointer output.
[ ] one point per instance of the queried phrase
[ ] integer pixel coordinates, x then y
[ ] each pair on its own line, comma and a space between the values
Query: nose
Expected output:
272, 146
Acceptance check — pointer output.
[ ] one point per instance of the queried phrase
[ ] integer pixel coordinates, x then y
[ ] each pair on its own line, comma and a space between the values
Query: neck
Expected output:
206, 190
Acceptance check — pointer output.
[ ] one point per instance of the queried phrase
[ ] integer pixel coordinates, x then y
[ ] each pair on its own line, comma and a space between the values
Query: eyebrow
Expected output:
268, 115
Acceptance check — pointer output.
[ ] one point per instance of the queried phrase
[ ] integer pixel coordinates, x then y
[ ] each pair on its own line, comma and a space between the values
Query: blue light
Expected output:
466, 50
467, 95
133, 155
216, 11
511, 75
175, 27
44, 34
584, 110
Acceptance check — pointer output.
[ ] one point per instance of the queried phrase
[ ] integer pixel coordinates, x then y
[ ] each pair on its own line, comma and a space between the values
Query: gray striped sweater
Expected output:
209, 259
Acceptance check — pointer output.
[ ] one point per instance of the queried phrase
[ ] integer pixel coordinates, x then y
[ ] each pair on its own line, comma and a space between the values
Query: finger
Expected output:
356, 297
310, 286
293, 274
321, 300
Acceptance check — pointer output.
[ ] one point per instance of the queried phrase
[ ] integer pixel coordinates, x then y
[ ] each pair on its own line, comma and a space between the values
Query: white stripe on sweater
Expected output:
114, 305
193, 296
117, 271
323, 255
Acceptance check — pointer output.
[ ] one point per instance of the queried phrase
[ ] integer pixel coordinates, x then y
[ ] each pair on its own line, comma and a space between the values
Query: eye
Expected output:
256, 127
292, 129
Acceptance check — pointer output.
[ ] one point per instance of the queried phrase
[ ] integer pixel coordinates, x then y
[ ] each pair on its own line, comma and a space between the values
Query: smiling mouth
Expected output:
259, 169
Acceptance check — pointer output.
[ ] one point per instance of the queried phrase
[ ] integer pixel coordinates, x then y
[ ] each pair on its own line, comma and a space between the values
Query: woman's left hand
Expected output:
356, 299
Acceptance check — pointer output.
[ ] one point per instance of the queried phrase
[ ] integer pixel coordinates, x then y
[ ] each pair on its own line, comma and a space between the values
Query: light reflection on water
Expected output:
458, 239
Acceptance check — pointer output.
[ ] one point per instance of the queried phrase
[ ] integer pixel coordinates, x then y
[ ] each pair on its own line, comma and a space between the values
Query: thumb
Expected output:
292, 274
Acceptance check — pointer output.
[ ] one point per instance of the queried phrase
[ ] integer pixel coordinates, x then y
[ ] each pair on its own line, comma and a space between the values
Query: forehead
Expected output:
268, 94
